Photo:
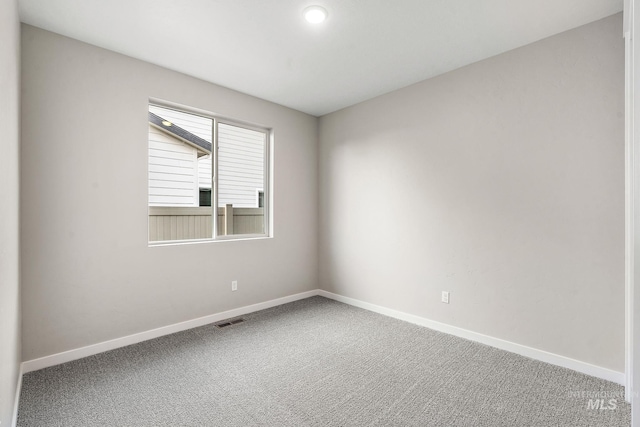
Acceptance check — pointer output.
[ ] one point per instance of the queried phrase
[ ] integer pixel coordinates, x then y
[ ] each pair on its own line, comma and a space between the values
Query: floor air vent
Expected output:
226, 323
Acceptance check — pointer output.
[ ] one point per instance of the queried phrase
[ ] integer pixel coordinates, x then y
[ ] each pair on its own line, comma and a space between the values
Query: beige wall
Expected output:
88, 273
9, 204
501, 182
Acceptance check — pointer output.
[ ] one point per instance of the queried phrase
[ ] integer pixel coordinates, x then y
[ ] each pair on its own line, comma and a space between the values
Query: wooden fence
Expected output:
174, 223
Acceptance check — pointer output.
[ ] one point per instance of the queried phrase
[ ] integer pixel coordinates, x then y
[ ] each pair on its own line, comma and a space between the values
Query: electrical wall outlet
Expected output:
445, 297
234, 285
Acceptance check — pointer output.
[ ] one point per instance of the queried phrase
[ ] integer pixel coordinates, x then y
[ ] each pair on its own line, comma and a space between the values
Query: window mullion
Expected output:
214, 178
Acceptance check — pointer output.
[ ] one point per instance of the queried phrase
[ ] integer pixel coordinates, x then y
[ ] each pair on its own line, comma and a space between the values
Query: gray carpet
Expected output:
314, 362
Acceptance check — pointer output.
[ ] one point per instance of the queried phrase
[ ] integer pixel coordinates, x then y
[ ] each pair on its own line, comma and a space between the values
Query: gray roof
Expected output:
179, 133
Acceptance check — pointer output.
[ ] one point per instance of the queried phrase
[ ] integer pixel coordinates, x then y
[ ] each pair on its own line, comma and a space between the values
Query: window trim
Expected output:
267, 176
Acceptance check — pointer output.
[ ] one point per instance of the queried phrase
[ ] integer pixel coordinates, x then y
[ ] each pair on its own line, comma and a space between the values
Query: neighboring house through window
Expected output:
188, 177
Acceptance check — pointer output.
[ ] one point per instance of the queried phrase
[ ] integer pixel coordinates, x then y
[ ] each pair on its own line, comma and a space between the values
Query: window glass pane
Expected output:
241, 175
179, 175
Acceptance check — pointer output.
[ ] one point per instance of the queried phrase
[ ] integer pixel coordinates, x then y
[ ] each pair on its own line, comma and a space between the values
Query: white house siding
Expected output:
173, 171
241, 166
197, 125
204, 171
240, 158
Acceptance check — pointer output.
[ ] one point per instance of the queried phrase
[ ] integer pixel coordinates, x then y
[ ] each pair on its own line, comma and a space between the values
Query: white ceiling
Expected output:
264, 47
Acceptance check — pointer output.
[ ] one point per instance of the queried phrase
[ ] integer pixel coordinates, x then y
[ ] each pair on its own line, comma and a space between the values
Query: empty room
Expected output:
319, 213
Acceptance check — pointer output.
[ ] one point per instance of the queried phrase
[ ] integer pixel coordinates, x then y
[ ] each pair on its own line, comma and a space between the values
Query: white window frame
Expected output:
267, 185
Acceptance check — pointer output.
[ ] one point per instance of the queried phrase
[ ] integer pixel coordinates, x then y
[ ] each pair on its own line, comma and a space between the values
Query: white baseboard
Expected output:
532, 353
16, 402
90, 350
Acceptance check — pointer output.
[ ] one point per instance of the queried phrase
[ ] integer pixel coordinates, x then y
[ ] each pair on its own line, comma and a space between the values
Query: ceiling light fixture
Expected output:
166, 123
315, 14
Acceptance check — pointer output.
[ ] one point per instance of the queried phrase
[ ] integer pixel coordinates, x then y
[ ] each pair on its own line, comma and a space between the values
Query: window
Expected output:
205, 197
207, 177
261, 199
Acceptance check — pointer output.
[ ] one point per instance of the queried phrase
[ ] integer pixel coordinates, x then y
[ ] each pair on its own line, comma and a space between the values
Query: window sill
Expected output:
239, 238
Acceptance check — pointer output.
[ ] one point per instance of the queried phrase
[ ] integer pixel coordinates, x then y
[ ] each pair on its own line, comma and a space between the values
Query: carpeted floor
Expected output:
315, 362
